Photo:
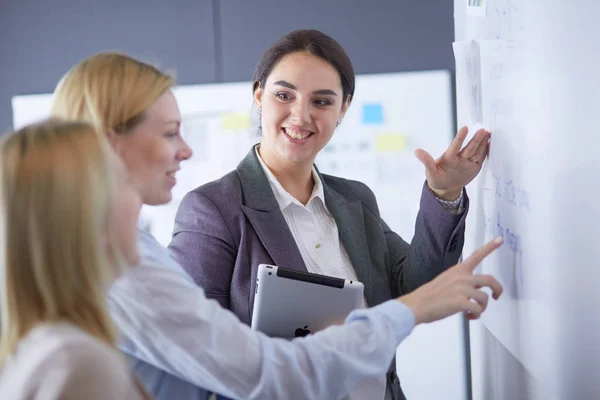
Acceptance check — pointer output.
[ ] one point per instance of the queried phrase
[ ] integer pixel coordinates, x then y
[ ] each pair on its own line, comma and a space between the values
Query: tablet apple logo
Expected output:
301, 332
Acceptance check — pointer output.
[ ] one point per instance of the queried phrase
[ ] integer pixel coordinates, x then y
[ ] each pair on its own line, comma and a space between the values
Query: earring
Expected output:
260, 110
338, 122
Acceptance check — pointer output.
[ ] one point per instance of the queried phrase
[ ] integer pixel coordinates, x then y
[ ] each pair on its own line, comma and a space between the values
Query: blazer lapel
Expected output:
262, 210
350, 222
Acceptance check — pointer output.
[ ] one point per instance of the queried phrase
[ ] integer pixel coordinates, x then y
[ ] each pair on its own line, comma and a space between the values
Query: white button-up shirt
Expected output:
314, 229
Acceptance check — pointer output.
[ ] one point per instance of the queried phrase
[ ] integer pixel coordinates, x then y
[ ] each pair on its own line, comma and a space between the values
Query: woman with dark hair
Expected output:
276, 208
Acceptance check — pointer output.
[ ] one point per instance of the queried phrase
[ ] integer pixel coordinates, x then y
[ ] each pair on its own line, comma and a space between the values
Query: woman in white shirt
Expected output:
65, 235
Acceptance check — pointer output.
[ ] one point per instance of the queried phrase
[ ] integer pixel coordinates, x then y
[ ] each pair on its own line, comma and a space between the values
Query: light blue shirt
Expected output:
180, 341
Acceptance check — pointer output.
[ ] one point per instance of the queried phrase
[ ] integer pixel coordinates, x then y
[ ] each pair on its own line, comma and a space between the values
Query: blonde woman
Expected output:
178, 340
69, 228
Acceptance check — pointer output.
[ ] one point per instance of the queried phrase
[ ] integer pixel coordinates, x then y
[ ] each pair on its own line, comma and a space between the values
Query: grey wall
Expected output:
210, 40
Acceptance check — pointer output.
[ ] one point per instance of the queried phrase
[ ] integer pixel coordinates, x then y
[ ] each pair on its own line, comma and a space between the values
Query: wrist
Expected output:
412, 303
446, 195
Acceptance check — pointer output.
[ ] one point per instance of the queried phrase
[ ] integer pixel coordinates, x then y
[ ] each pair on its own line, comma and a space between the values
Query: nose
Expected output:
185, 152
301, 113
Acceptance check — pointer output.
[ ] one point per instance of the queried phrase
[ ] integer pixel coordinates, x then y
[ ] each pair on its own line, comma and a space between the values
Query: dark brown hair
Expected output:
314, 42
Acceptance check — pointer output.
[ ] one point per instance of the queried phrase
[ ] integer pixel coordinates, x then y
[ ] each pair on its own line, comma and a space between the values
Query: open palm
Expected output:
450, 173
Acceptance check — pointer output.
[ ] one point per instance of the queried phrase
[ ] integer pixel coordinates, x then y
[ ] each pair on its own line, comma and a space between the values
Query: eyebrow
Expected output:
175, 122
327, 92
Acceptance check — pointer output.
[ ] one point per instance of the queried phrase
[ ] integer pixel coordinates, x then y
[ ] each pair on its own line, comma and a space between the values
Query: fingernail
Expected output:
498, 240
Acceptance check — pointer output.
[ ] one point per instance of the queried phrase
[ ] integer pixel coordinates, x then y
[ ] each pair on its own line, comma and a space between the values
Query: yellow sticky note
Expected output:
392, 142
235, 121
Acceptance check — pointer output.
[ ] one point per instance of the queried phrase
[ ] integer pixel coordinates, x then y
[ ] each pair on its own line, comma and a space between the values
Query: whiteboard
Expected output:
389, 118
391, 115
528, 72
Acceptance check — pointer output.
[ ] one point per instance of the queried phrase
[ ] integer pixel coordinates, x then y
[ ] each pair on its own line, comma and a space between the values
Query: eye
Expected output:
283, 96
323, 102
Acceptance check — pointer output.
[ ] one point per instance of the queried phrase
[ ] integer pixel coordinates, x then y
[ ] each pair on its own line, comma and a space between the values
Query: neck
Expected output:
295, 177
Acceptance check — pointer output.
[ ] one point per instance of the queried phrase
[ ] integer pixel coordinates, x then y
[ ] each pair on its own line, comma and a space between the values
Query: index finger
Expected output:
473, 261
458, 141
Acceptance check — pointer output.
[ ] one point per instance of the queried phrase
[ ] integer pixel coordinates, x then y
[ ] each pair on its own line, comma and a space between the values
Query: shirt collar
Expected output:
284, 199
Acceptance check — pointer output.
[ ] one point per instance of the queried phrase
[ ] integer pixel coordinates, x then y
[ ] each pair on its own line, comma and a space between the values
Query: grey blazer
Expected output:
226, 228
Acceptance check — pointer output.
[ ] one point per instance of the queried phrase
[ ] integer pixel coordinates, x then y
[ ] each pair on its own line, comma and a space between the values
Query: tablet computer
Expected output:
290, 303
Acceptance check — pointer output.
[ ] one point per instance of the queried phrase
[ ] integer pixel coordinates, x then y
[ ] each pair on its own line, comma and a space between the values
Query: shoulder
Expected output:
93, 370
223, 191
154, 281
61, 342
76, 349
64, 359
155, 259
87, 355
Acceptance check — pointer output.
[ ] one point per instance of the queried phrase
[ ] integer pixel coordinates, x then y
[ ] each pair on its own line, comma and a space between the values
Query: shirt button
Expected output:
317, 246
334, 271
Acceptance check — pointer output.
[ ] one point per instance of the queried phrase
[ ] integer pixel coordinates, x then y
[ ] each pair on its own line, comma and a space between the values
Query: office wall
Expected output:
379, 35
40, 40
210, 40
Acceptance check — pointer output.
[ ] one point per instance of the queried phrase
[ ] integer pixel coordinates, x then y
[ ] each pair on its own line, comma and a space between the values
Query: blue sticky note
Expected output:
372, 114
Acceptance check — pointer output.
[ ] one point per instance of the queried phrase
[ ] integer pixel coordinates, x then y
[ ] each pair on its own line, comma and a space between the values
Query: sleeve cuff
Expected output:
455, 206
397, 313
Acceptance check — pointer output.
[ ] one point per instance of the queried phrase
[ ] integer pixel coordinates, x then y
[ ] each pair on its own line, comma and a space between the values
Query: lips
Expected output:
171, 176
297, 134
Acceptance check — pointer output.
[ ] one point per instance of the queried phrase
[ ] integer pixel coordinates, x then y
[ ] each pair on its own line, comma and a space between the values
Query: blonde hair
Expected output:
55, 199
109, 90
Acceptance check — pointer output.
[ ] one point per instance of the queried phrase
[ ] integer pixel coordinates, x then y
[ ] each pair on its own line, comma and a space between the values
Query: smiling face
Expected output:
301, 101
153, 150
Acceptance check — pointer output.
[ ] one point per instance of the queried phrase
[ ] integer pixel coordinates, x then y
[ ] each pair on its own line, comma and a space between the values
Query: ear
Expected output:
345, 107
115, 140
258, 93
